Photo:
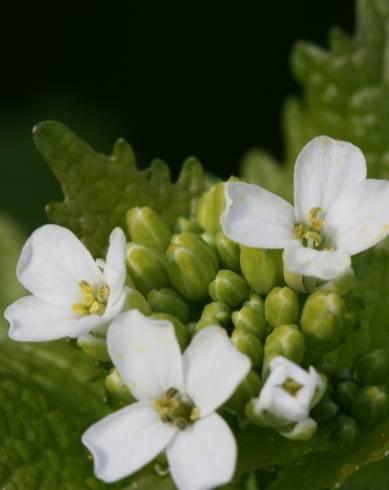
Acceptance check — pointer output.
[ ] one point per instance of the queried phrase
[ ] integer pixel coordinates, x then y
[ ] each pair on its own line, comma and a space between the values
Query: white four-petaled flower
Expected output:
177, 399
287, 397
72, 294
337, 212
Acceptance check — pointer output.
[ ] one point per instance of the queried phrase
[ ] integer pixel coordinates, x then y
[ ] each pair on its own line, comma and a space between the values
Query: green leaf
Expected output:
99, 189
374, 476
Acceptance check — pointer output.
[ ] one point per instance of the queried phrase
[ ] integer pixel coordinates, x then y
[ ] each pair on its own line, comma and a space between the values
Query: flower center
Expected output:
176, 409
291, 386
94, 300
311, 236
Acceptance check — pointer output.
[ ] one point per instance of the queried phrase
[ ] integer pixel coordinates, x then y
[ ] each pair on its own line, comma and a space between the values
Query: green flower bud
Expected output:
147, 267
181, 331
209, 238
209, 208
167, 300
250, 320
94, 347
370, 405
325, 410
136, 300
247, 389
191, 266
340, 286
346, 431
322, 321
229, 252
372, 368
115, 386
346, 393
250, 345
229, 287
146, 227
203, 323
184, 225
261, 268
286, 341
342, 375
282, 307
217, 312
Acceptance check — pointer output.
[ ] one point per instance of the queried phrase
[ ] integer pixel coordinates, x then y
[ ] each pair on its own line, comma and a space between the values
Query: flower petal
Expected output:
322, 264
204, 455
255, 217
359, 218
213, 368
126, 440
114, 274
53, 262
323, 169
34, 320
146, 353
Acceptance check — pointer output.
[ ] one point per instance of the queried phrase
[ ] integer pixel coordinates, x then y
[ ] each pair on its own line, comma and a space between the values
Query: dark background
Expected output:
173, 83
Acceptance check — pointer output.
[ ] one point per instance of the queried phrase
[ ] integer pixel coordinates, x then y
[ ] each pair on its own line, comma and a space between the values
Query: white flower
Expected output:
71, 294
287, 397
178, 395
337, 213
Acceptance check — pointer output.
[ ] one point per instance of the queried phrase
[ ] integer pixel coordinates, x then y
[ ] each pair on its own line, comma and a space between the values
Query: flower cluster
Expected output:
231, 311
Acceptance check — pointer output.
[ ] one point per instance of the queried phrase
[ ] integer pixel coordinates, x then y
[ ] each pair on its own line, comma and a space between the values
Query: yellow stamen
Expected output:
292, 386
94, 300
175, 410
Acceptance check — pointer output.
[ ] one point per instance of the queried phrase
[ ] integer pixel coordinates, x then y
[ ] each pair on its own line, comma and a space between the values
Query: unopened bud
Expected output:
229, 287
228, 251
147, 267
340, 286
146, 227
247, 389
346, 393
322, 321
250, 320
167, 300
218, 312
250, 345
346, 431
210, 207
192, 265
94, 347
116, 387
286, 341
325, 410
184, 225
262, 268
136, 300
372, 368
371, 405
181, 331
282, 307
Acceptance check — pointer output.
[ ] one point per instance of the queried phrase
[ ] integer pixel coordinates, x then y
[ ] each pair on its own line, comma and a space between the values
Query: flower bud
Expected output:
94, 347
147, 267
146, 227
247, 389
346, 431
136, 300
228, 251
115, 386
181, 331
286, 341
250, 345
340, 286
282, 307
192, 265
300, 431
229, 287
218, 312
209, 238
346, 393
261, 268
322, 321
209, 208
372, 368
184, 225
370, 405
251, 320
167, 300
325, 410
